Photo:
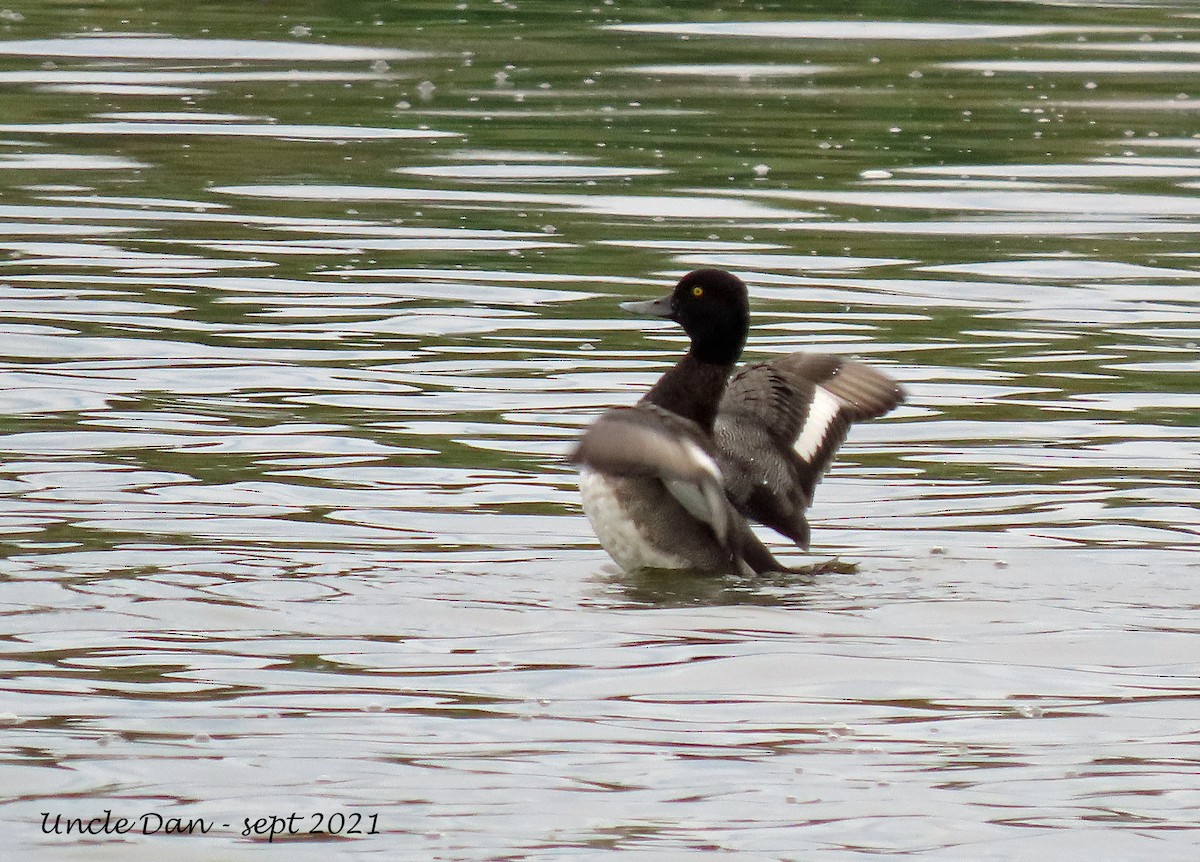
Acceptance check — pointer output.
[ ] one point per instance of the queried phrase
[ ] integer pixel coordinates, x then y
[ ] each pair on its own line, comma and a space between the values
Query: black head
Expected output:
712, 307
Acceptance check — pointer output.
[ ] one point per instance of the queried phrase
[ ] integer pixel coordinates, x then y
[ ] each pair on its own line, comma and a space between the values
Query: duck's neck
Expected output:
692, 389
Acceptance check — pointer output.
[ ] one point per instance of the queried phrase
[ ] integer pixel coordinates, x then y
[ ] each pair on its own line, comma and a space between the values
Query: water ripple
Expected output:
288, 378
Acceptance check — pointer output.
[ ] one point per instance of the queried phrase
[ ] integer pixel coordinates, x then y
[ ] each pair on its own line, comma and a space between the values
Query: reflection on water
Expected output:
301, 314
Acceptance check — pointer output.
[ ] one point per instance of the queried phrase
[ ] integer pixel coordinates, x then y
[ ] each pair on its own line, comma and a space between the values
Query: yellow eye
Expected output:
697, 291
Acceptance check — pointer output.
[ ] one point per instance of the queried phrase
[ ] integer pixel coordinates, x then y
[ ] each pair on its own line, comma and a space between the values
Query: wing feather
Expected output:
647, 441
780, 424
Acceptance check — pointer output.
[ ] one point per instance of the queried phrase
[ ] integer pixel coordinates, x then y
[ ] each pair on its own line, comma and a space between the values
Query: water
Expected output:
302, 311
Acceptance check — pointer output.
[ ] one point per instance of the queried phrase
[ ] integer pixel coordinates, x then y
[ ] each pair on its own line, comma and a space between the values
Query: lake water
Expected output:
301, 312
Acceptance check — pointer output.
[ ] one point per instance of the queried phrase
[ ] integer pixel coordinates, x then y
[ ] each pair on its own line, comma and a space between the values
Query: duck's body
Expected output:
655, 496
670, 482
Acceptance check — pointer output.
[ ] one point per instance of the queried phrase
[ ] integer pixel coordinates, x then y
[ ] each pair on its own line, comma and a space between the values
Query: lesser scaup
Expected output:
670, 482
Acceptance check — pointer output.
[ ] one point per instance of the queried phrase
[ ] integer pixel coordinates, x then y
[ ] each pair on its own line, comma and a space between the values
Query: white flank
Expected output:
821, 414
618, 534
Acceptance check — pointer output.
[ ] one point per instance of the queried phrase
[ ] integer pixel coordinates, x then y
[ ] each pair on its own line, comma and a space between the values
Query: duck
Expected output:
673, 481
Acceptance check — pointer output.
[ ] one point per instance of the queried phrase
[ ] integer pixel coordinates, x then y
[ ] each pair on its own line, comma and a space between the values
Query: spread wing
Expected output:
780, 424
648, 441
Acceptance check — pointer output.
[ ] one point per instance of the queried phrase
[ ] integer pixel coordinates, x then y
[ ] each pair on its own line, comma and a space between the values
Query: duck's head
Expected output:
712, 307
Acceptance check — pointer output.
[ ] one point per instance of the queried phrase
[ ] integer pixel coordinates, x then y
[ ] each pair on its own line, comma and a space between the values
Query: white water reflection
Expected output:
699, 245
1093, 169
132, 47
839, 30
638, 206
76, 254
1076, 67
1172, 104
971, 225
1085, 205
1063, 269
527, 171
1141, 46
732, 70
154, 82
277, 131
466, 242
813, 263
66, 162
1189, 143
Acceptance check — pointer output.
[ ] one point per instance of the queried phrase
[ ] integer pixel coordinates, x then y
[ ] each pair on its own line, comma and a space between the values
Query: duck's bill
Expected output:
650, 307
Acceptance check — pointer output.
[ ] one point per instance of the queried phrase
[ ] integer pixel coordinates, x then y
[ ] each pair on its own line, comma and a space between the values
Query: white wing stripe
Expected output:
822, 412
